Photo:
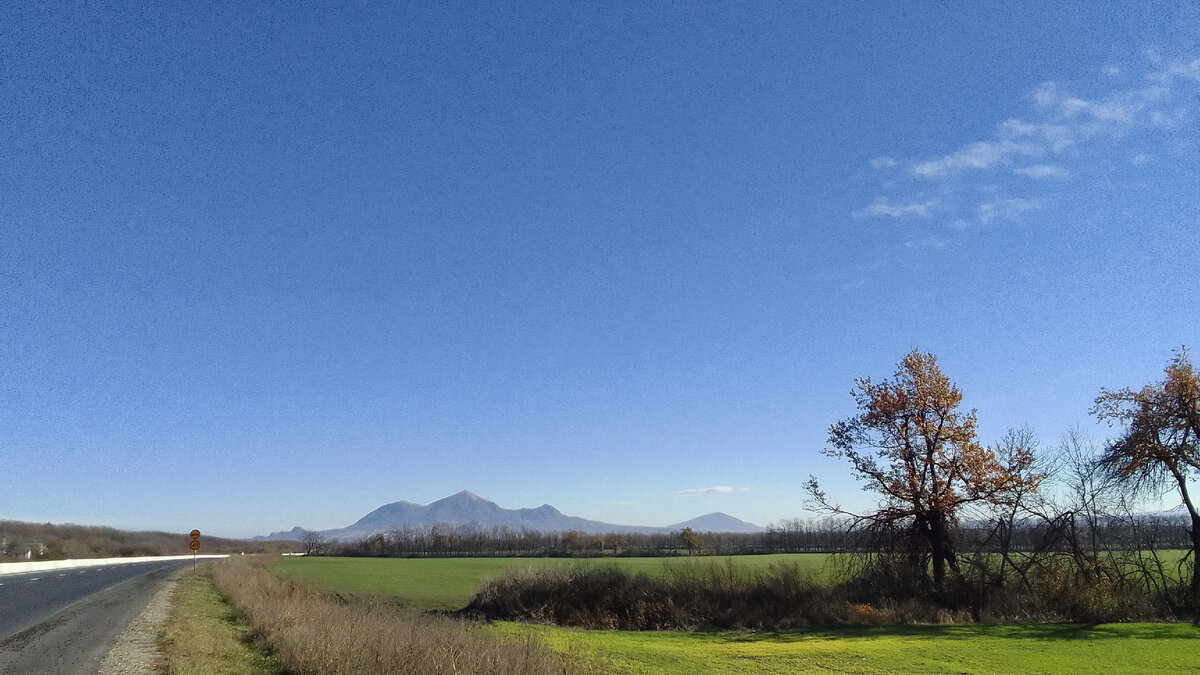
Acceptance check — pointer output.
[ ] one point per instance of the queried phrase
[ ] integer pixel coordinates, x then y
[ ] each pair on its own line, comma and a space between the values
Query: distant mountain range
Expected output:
467, 509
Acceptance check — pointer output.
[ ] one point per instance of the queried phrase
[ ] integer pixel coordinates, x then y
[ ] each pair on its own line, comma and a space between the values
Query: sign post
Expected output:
195, 546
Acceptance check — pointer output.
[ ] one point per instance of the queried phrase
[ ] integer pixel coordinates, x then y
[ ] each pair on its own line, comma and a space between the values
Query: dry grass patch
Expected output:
313, 632
203, 636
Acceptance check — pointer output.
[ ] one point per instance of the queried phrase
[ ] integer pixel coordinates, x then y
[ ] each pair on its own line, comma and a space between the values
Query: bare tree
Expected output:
314, 543
1159, 447
911, 444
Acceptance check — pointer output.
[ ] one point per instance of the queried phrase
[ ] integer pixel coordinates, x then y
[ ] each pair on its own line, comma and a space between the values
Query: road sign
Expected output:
195, 546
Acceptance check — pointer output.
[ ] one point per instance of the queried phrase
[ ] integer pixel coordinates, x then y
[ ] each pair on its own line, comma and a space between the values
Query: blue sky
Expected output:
275, 266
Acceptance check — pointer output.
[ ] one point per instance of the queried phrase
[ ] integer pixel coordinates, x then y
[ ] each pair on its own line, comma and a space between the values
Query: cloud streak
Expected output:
1118, 108
980, 155
1043, 171
881, 207
715, 490
1007, 209
926, 242
1040, 148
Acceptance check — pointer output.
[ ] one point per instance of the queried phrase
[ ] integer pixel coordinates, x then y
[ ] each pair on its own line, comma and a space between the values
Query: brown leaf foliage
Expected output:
1161, 437
911, 443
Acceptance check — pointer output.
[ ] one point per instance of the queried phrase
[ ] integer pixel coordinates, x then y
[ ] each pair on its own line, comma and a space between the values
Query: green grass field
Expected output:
450, 583
1034, 648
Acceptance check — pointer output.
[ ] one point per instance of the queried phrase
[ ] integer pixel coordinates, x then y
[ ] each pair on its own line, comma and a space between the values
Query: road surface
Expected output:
65, 621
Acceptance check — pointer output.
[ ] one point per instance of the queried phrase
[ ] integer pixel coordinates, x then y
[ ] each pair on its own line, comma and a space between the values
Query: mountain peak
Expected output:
717, 522
467, 509
464, 496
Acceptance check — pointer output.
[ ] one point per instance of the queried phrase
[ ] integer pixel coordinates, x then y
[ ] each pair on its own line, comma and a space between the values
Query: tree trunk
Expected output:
1194, 533
941, 549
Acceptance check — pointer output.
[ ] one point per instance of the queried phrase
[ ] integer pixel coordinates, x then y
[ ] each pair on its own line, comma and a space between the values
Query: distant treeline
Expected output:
47, 541
1064, 533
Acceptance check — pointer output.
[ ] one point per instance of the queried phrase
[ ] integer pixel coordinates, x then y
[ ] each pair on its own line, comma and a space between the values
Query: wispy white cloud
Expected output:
979, 155
1047, 135
632, 503
1068, 118
1189, 70
1119, 107
881, 207
1007, 209
1061, 128
1043, 171
715, 490
926, 242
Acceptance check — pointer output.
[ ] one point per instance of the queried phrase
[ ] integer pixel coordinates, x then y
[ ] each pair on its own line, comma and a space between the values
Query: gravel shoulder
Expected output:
136, 649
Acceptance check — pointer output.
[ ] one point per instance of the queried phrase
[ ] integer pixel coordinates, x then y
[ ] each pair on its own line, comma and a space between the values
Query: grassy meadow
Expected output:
975, 648
449, 583
442, 584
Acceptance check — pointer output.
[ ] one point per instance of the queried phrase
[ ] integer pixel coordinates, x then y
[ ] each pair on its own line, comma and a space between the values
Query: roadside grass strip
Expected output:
312, 631
203, 635
1035, 648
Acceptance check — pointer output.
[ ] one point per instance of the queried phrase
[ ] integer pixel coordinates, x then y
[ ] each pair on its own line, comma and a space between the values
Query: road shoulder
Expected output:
136, 649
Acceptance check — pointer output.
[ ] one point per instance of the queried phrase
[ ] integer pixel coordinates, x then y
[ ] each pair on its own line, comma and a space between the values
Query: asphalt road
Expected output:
65, 621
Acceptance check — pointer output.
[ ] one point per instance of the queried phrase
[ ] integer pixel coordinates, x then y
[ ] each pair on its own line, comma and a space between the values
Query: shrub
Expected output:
878, 589
688, 597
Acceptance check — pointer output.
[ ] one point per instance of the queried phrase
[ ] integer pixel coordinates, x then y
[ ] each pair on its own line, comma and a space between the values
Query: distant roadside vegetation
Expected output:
47, 541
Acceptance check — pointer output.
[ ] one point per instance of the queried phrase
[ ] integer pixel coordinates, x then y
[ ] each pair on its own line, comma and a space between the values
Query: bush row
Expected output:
727, 596
688, 597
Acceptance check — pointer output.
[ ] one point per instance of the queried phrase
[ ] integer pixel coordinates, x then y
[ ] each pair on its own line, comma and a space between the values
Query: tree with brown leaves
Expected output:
1159, 447
912, 445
